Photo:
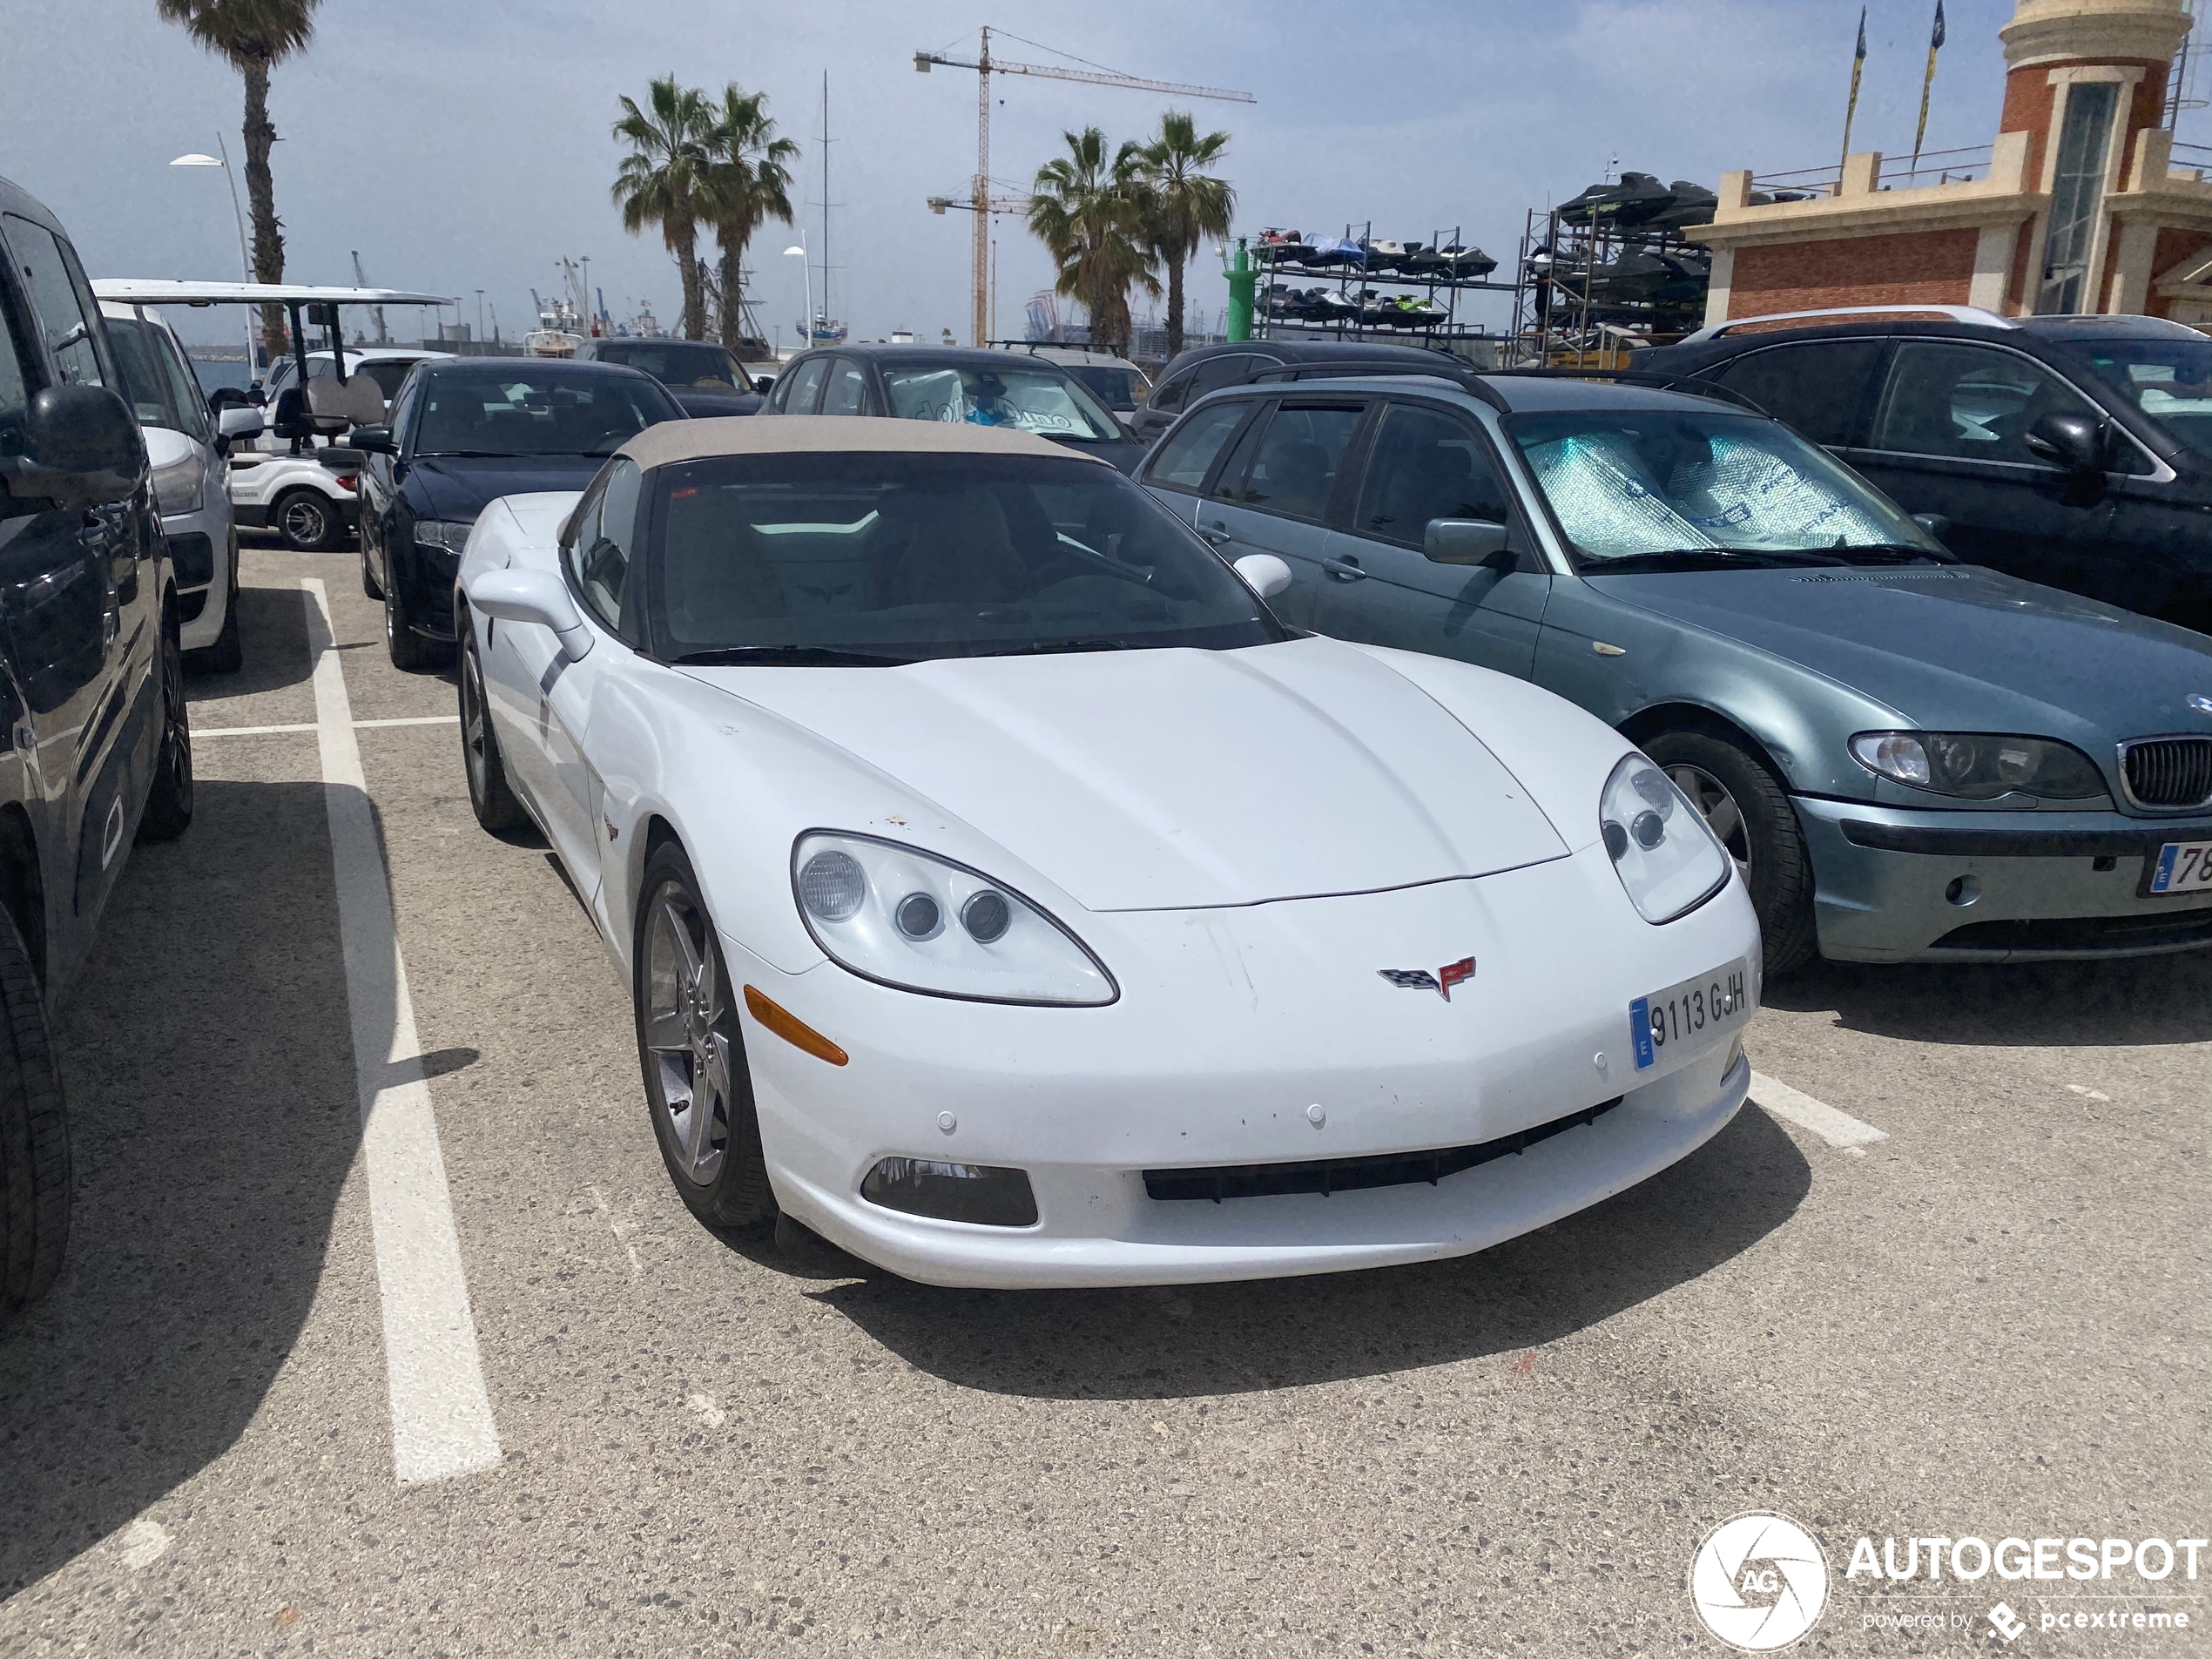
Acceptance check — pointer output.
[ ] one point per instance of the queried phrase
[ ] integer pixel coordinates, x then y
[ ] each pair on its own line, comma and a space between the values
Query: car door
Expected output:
85, 714
845, 389
1274, 492
1949, 437
1177, 471
800, 391
1381, 585
1820, 387
376, 481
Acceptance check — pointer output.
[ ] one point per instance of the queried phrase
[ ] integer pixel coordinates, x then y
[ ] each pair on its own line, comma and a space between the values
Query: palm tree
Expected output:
1186, 204
1089, 213
659, 181
255, 36
747, 183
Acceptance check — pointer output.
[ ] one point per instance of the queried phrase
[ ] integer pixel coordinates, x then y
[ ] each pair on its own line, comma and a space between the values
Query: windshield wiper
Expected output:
1712, 558
1051, 647
788, 655
1895, 553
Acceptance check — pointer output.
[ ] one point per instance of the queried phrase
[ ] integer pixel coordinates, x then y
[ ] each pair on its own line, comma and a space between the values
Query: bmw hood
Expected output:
1173, 780
460, 486
1952, 646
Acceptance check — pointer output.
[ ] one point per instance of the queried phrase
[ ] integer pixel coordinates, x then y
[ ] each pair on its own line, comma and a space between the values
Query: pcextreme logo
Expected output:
1758, 1582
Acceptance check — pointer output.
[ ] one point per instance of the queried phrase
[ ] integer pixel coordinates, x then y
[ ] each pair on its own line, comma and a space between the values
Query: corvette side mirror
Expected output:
537, 597
1264, 573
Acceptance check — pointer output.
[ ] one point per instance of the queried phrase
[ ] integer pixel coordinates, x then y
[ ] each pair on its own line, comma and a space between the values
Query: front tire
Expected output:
489, 796
1746, 806
307, 522
409, 651
168, 803
690, 1048
35, 1177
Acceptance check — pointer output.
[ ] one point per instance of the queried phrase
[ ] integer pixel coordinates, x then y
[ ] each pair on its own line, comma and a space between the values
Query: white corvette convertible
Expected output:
1009, 897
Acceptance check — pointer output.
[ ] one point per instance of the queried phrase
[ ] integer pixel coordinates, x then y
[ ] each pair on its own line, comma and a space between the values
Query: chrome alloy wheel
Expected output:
305, 521
1719, 808
688, 1034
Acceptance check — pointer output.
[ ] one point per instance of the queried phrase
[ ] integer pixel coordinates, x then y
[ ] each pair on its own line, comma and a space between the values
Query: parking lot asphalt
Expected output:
1993, 1321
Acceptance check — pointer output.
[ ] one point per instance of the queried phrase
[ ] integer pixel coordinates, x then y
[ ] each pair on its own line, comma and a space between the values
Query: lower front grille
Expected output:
2086, 935
194, 556
1326, 1176
2168, 774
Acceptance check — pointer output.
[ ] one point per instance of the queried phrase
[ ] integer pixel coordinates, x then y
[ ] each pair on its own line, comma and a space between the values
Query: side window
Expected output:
1189, 453
65, 317
1819, 387
183, 389
1426, 464
16, 378
804, 389
1969, 402
138, 372
1168, 396
1294, 462
403, 405
848, 392
598, 554
1233, 369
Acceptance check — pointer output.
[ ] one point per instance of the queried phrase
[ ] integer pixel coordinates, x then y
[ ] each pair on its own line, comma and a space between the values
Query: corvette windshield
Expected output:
2170, 381
1029, 397
1660, 489
891, 558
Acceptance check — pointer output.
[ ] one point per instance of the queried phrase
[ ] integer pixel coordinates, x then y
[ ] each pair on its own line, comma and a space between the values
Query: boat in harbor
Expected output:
822, 329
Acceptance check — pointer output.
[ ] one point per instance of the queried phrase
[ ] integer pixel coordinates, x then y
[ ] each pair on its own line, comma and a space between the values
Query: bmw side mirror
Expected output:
764, 384
375, 439
239, 423
2073, 441
80, 447
1463, 541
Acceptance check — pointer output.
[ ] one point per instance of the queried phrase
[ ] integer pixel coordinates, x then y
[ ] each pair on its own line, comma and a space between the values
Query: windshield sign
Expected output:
1029, 399
894, 558
1661, 488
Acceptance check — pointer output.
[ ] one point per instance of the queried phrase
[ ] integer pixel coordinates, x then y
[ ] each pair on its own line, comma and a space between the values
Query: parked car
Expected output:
97, 742
1114, 381
1008, 896
1910, 756
958, 384
311, 502
700, 374
465, 431
2073, 451
187, 445
1193, 372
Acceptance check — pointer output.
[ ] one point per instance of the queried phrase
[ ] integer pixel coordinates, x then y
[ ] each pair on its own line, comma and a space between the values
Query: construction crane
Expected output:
376, 313
981, 202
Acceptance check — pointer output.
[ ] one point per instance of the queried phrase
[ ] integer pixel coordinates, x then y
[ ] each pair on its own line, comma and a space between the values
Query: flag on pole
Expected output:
1857, 68
1927, 85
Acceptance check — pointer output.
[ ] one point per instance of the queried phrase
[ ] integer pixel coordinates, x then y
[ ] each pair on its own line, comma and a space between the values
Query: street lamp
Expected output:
800, 253
245, 264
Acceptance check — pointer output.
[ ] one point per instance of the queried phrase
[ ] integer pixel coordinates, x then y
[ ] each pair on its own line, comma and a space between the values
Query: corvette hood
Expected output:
1168, 779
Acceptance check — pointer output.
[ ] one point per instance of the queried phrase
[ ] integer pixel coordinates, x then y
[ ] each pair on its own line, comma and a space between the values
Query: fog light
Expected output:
971, 1192
1963, 890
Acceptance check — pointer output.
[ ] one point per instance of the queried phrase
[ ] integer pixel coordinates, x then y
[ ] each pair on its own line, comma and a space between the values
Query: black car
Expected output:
701, 375
955, 383
465, 431
1190, 375
95, 747
2073, 451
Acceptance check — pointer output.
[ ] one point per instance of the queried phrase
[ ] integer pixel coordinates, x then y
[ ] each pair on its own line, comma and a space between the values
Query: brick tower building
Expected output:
2080, 209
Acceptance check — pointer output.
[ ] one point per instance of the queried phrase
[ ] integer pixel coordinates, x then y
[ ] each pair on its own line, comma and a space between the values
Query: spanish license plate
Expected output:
2182, 866
1691, 1015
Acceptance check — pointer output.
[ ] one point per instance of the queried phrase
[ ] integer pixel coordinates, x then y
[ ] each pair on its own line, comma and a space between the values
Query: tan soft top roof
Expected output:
768, 434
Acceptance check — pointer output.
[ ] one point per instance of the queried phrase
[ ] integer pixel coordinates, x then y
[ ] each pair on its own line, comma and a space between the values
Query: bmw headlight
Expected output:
906, 918
1978, 766
449, 535
1666, 857
177, 487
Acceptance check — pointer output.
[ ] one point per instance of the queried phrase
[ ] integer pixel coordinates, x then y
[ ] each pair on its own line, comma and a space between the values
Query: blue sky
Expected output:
464, 145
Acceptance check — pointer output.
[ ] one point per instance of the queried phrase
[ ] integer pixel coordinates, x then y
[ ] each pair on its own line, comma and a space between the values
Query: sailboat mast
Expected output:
826, 199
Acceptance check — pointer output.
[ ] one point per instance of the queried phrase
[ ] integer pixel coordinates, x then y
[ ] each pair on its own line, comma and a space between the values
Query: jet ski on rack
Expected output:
1637, 198
1693, 205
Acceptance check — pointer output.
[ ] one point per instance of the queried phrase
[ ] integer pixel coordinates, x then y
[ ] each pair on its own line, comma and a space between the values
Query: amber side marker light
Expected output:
792, 1029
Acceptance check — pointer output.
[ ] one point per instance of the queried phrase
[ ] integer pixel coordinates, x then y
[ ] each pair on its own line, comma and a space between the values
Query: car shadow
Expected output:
2133, 1001
1203, 1339
206, 1054
273, 622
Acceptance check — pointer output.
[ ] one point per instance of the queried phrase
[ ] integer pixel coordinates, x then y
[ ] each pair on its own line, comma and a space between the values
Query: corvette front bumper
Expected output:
1259, 1036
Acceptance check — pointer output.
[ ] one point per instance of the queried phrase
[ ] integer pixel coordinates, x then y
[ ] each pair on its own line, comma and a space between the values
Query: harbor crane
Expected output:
981, 202
376, 313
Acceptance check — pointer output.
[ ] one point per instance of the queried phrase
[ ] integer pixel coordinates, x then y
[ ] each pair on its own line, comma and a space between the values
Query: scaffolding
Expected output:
1590, 294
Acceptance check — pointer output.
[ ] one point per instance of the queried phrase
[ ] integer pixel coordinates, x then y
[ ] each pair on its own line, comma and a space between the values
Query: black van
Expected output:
95, 747
2074, 451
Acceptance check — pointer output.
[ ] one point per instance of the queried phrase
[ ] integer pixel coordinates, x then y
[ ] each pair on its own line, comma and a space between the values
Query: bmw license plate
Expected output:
2182, 866
1691, 1015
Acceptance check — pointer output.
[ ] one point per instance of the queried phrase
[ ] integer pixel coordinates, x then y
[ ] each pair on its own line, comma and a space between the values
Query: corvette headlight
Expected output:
906, 918
1665, 856
1978, 766
177, 487
450, 535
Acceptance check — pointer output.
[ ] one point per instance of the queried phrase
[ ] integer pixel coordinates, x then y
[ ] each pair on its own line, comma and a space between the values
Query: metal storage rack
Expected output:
1350, 280
1562, 316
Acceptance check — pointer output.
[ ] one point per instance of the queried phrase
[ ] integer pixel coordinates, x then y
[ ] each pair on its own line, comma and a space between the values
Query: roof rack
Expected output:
1954, 313
1478, 382
1448, 367
1658, 379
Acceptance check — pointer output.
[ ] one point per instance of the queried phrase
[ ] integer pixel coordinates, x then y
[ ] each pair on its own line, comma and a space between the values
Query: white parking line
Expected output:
1837, 1128
359, 725
442, 1421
